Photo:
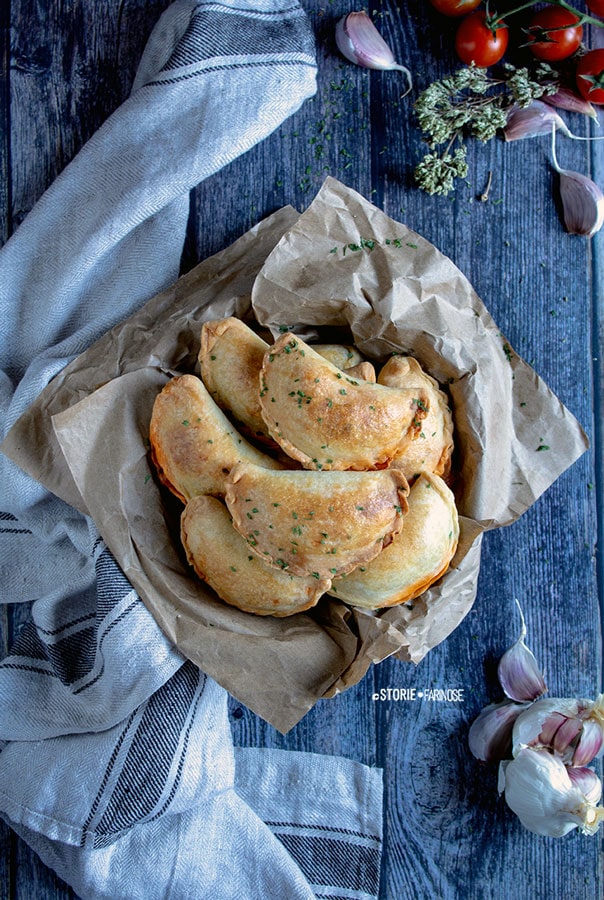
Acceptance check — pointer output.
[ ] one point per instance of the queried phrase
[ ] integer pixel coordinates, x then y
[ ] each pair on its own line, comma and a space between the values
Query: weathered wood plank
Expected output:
5, 160
448, 834
529, 273
72, 65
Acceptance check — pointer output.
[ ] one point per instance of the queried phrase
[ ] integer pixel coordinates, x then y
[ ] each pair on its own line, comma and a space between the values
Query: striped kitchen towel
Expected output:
120, 771
117, 763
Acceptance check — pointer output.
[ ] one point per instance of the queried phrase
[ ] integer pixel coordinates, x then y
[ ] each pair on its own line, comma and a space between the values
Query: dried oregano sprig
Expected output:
473, 102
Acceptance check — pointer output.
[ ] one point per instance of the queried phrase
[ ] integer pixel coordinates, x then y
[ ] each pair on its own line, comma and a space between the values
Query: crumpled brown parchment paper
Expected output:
342, 270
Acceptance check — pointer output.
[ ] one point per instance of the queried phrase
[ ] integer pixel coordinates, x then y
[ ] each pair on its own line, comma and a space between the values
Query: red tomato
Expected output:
596, 7
476, 42
455, 7
590, 76
554, 34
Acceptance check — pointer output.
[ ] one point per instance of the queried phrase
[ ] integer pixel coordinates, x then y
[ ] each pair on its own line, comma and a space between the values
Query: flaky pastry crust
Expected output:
221, 557
316, 523
193, 444
327, 420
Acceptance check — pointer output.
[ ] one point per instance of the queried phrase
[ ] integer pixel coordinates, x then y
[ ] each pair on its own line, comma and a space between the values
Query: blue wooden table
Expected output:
65, 67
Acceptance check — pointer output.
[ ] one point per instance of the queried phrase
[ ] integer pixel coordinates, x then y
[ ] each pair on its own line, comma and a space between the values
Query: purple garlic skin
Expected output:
582, 203
490, 735
532, 121
571, 102
518, 671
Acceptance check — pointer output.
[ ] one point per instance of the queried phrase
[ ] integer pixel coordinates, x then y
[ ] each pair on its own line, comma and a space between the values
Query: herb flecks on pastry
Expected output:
417, 557
221, 557
328, 420
193, 444
316, 523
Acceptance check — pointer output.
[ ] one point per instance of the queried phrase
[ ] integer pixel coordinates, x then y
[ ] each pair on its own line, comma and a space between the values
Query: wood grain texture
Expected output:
448, 834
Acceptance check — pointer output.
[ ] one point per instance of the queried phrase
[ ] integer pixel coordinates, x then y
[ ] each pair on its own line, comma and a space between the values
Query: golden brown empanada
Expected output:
222, 558
344, 356
193, 444
230, 359
416, 557
327, 420
432, 445
363, 370
316, 523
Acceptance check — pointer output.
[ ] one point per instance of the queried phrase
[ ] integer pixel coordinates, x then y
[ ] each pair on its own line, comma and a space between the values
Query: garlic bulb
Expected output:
518, 671
582, 200
360, 42
538, 788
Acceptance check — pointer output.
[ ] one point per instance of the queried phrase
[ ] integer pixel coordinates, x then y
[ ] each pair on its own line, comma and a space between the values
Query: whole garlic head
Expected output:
537, 787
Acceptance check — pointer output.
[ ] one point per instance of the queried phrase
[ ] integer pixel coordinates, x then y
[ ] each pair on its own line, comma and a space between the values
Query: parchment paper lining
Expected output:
342, 265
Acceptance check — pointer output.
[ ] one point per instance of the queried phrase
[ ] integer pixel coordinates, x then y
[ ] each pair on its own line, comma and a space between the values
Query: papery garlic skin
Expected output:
582, 199
537, 787
582, 203
566, 99
587, 781
360, 42
590, 744
532, 121
490, 734
529, 726
518, 671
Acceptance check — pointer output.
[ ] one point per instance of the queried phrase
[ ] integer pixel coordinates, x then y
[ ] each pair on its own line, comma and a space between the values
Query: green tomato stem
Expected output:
583, 18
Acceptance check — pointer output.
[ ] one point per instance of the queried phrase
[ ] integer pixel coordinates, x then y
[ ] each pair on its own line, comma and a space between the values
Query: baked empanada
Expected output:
230, 359
363, 370
432, 445
416, 557
328, 420
193, 444
316, 523
222, 558
344, 356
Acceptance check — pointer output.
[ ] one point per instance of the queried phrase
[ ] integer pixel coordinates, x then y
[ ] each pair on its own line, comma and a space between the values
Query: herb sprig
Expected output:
473, 102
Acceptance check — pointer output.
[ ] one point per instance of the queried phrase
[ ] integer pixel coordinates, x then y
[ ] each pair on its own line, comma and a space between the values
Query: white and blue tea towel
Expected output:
117, 763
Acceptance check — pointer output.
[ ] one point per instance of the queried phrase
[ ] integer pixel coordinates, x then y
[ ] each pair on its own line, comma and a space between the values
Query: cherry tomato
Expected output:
455, 7
596, 7
590, 76
476, 42
554, 34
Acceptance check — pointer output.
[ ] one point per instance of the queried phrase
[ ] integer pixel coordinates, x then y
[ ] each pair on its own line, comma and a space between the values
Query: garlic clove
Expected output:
490, 734
550, 728
538, 788
573, 729
518, 671
532, 121
571, 102
360, 42
582, 204
587, 781
567, 733
589, 745
538, 725
582, 199
591, 740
